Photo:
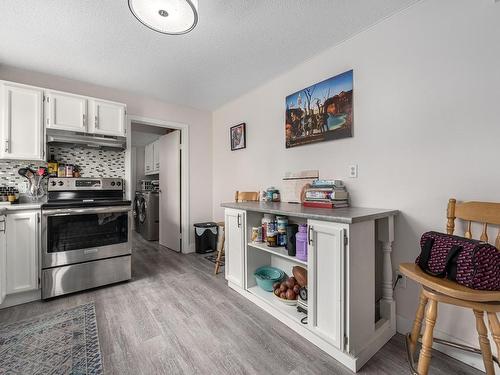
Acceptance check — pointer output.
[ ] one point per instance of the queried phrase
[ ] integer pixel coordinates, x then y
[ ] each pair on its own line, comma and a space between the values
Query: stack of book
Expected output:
326, 194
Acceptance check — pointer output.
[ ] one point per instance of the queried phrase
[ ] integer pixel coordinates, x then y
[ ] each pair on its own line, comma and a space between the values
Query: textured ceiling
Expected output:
237, 45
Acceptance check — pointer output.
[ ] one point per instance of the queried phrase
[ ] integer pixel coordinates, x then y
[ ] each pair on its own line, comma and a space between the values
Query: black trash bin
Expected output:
205, 235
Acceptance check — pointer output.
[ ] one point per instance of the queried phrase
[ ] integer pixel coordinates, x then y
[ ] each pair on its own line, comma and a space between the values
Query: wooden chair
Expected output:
246, 196
240, 196
436, 290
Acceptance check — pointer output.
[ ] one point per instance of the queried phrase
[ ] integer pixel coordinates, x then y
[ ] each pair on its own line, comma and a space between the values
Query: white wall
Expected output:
426, 127
199, 121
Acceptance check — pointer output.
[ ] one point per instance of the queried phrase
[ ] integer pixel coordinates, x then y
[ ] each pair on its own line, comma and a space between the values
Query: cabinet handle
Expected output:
96, 122
6, 146
239, 221
83, 119
309, 234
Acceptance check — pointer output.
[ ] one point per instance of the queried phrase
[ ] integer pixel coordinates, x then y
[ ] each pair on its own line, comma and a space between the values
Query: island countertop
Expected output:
347, 215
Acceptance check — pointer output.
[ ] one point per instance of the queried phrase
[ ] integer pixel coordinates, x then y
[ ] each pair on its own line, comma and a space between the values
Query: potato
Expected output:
283, 295
290, 295
290, 283
283, 287
296, 288
277, 292
276, 285
292, 280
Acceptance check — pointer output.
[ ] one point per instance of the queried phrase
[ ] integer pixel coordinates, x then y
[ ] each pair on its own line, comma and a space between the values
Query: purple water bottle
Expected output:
301, 242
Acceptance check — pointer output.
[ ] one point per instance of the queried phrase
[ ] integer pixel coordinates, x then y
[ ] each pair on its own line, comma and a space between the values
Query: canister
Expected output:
265, 220
301, 242
257, 234
272, 238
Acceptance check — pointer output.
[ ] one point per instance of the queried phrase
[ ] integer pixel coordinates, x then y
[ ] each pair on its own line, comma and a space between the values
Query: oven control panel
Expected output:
75, 184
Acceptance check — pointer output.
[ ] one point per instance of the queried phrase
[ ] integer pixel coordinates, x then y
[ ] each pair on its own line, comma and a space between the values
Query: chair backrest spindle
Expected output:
485, 213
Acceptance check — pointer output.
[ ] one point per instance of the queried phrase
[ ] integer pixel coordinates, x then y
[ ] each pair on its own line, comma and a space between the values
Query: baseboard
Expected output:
471, 359
20, 298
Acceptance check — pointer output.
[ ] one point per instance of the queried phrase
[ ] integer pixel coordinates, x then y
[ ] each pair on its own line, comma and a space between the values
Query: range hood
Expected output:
85, 139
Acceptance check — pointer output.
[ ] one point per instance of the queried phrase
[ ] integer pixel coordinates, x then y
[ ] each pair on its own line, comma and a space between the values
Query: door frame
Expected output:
185, 198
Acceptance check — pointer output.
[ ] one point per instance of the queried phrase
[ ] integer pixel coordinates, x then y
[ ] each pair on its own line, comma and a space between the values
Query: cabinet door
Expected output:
66, 111
326, 281
21, 109
148, 159
156, 155
22, 251
108, 118
3, 261
234, 246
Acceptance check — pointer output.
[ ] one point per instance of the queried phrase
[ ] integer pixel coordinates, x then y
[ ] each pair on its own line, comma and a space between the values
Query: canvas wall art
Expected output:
320, 112
238, 137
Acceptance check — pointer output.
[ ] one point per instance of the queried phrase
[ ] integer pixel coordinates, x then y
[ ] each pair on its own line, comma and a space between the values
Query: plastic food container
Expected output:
266, 276
301, 242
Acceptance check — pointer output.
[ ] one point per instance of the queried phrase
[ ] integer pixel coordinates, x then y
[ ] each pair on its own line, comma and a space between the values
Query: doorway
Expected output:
145, 136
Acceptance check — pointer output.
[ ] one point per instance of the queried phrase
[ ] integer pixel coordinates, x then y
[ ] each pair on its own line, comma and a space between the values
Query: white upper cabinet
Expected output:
152, 158
107, 118
21, 122
148, 159
65, 111
156, 155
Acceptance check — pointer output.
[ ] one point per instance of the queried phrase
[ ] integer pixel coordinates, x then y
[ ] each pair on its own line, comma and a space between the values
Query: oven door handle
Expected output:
78, 211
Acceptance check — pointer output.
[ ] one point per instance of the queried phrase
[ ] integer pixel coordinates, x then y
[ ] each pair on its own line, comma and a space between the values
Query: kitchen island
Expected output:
350, 307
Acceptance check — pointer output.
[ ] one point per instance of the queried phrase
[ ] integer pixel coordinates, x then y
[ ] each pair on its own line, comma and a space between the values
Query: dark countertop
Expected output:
338, 215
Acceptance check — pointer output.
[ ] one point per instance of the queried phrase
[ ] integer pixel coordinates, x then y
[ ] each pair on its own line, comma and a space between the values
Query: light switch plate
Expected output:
353, 171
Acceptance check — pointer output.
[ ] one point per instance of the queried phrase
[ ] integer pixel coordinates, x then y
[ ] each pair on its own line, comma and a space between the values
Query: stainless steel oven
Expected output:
85, 235
75, 235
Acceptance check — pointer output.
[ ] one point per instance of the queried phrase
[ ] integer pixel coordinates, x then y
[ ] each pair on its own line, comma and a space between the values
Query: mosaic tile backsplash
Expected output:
9, 176
93, 163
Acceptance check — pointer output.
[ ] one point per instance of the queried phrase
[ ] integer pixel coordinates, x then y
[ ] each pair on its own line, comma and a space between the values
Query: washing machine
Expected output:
147, 214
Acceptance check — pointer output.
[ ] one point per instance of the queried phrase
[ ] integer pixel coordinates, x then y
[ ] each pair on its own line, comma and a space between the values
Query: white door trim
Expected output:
185, 199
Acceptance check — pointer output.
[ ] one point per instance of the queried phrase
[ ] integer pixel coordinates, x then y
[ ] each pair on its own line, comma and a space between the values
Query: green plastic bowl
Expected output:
266, 276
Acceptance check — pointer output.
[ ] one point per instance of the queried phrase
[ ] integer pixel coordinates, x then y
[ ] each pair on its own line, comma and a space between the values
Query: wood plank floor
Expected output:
175, 317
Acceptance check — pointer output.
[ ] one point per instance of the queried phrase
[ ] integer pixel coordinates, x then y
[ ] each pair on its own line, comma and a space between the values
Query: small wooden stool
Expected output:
436, 290
220, 247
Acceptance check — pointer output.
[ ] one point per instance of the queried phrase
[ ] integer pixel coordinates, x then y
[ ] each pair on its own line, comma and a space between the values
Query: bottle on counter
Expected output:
69, 170
61, 170
301, 242
52, 166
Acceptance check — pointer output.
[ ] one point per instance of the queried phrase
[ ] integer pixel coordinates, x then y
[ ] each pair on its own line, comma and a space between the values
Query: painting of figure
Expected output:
238, 137
320, 112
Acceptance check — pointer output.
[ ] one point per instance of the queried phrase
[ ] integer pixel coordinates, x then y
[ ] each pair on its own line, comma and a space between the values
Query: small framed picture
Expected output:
238, 137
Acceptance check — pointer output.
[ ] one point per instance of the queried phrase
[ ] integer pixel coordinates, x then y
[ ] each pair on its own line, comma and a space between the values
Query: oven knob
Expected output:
112, 183
60, 183
118, 183
53, 183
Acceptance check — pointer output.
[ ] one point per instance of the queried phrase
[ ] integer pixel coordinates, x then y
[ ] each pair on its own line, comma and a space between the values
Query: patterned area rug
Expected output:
65, 342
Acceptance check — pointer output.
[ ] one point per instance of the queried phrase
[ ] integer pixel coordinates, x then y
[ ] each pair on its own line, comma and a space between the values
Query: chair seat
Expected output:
447, 287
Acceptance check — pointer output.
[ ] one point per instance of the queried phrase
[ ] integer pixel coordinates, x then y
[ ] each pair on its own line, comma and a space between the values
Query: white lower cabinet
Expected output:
3, 261
22, 242
235, 246
326, 281
339, 312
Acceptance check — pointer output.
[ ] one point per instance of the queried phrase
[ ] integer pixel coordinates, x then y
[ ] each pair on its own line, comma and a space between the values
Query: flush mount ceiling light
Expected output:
173, 17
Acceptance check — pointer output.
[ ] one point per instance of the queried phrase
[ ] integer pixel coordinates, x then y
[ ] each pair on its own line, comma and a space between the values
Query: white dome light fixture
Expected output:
172, 17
